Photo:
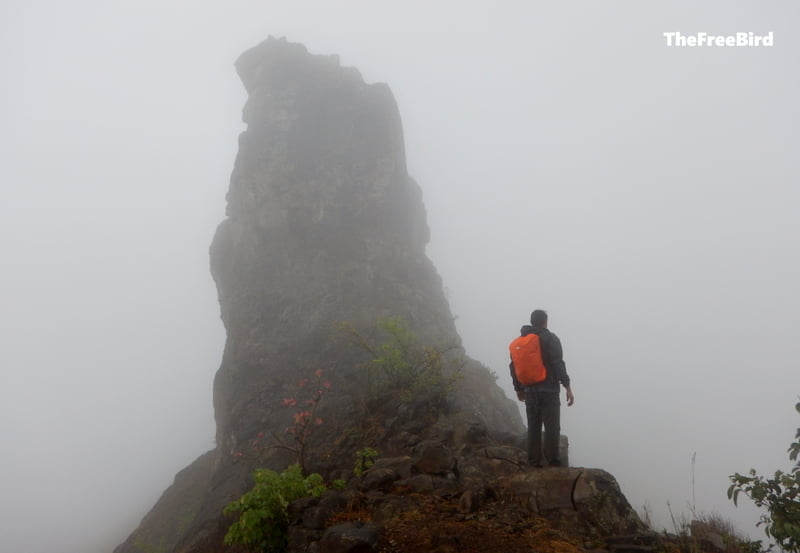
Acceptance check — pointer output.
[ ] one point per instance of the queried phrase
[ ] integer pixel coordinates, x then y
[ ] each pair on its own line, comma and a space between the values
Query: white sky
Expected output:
646, 196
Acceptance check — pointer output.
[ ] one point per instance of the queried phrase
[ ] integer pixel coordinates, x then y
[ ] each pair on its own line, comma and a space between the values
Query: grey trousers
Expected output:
543, 408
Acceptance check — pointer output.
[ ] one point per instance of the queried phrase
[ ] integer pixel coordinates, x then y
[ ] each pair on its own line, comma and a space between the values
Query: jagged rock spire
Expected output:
323, 226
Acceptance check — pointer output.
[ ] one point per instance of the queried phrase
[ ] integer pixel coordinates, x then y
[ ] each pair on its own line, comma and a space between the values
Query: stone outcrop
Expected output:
471, 499
325, 235
577, 498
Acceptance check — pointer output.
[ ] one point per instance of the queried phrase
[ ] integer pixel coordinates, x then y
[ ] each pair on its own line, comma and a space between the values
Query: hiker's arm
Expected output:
561, 369
557, 361
570, 396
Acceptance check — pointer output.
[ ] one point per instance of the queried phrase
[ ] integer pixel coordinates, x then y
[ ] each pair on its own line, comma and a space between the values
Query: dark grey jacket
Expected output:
553, 357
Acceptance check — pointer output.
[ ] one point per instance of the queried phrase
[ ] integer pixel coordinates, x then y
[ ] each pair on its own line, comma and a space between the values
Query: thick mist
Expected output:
646, 196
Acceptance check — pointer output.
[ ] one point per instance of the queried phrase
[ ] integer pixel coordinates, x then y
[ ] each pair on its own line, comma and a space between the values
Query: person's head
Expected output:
539, 318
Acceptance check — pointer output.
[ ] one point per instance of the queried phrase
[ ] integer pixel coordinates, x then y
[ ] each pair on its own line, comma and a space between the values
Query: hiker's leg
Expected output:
534, 415
551, 415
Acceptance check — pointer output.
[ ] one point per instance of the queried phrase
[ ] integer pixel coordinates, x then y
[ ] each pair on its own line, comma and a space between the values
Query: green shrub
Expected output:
780, 495
263, 511
401, 364
365, 458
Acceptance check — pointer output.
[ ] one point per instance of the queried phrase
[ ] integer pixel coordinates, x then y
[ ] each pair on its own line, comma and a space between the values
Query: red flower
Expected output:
290, 401
302, 417
303, 382
318, 421
327, 384
318, 373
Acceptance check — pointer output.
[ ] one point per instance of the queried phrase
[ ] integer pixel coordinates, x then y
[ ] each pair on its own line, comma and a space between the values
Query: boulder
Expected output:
576, 498
350, 537
433, 457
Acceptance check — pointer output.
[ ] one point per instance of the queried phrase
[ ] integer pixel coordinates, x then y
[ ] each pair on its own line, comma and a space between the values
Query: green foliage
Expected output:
780, 495
749, 546
263, 511
365, 458
403, 365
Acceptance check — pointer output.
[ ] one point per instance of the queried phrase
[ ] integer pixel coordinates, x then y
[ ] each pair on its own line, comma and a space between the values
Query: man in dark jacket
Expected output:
542, 402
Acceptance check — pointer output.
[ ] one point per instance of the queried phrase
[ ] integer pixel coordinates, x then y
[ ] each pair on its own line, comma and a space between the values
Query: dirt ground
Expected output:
438, 527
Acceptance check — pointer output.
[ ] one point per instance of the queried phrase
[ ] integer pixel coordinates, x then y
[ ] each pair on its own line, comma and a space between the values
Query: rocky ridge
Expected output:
326, 231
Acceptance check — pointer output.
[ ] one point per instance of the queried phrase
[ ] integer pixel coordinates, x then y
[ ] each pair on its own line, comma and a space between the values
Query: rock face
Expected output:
325, 235
324, 227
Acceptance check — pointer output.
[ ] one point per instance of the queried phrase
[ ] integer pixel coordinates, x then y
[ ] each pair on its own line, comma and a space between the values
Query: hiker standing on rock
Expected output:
537, 369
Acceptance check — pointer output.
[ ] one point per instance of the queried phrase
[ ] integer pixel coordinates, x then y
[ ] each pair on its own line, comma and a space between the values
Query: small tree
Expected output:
296, 437
780, 495
305, 419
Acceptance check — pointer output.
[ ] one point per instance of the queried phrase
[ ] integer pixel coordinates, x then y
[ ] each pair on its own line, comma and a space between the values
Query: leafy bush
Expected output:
403, 365
365, 458
780, 495
263, 511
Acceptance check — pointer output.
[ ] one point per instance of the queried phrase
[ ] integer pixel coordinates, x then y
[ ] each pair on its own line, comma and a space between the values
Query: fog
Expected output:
646, 196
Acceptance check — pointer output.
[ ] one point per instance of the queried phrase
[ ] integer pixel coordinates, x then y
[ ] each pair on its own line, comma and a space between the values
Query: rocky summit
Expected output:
340, 341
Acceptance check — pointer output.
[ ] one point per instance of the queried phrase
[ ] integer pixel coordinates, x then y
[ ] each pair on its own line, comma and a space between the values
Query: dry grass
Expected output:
693, 532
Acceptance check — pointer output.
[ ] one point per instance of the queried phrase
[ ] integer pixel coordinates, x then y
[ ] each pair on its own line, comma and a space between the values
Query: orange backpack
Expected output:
526, 354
